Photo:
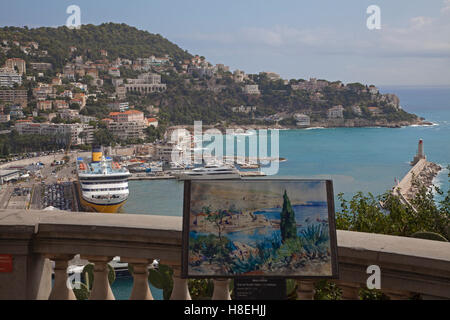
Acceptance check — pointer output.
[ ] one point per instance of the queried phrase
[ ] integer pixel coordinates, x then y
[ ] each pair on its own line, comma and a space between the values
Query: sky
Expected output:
324, 39
255, 195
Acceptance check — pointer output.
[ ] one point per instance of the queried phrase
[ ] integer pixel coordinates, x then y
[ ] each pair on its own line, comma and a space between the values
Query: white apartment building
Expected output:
115, 72
169, 152
244, 109
63, 132
119, 106
41, 66
145, 83
16, 63
251, 89
69, 114
86, 119
146, 78
9, 77
127, 130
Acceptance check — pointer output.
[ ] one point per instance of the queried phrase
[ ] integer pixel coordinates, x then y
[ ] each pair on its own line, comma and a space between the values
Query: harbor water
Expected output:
356, 159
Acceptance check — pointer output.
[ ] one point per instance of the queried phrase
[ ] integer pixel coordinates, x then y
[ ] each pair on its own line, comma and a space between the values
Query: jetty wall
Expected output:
424, 171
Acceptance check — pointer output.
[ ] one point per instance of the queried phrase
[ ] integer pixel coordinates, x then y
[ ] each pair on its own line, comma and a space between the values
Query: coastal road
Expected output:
36, 200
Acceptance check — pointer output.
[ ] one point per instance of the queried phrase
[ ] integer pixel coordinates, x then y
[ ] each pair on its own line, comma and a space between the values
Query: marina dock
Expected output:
138, 177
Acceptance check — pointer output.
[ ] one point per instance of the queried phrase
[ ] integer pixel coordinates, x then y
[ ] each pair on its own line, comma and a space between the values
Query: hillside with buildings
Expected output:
115, 84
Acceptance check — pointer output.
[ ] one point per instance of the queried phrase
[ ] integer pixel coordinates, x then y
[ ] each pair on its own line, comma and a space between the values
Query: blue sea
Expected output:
356, 159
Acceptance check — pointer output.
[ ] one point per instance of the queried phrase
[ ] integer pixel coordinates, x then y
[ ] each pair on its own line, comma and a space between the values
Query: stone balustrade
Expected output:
36, 239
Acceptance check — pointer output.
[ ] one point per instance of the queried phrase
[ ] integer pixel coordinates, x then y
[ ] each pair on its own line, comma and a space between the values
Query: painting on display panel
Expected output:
259, 228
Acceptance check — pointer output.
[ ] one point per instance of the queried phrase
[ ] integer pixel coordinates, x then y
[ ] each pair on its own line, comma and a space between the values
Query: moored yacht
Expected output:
210, 172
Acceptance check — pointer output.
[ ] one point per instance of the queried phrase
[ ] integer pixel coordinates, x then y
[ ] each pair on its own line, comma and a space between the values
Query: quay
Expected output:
138, 177
248, 174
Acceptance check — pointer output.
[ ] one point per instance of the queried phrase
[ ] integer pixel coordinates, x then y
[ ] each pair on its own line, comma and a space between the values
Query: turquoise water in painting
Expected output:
304, 216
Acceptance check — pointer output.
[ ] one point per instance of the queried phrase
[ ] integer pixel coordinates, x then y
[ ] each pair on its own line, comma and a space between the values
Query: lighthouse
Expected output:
420, 154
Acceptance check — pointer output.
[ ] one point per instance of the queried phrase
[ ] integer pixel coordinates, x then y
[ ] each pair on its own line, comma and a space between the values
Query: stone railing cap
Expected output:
35, 218
405, 246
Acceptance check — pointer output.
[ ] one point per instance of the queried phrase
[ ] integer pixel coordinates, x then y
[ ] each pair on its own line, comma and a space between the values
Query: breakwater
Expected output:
421, 174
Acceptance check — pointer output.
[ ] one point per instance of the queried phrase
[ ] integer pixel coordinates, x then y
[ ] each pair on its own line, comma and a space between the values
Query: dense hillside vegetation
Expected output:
120, 40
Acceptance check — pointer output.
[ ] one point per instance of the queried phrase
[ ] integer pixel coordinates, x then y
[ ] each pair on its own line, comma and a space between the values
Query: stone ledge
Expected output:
386, 246
407, 264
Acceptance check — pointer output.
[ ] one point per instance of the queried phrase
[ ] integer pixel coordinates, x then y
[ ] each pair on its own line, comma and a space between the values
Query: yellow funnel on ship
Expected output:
97, 154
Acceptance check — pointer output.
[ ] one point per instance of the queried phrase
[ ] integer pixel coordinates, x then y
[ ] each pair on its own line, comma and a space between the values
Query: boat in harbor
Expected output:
210, 172
102, 183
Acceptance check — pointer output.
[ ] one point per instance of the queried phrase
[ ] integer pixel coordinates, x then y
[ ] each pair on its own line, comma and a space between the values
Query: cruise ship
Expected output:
103, 184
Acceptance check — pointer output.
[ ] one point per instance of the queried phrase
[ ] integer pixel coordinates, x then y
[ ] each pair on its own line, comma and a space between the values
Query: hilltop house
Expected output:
44, 105
337, 112
153, 122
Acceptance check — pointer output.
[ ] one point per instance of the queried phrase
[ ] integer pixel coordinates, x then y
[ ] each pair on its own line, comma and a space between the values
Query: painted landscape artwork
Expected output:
259, 228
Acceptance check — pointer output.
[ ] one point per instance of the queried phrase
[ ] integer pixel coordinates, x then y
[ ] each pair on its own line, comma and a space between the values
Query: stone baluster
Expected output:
350, 290
180, 289
101, 290
61, 289
305, 289
141, 289
221, 290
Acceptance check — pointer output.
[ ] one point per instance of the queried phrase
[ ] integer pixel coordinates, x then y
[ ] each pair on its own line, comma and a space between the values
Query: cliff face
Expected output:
391, 100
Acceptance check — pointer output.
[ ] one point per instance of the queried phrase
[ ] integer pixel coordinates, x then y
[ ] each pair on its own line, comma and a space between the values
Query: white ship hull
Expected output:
103, 186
